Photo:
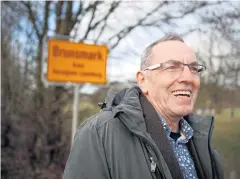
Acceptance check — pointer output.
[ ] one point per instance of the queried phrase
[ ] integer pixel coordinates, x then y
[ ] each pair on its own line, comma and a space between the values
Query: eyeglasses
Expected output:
177, 66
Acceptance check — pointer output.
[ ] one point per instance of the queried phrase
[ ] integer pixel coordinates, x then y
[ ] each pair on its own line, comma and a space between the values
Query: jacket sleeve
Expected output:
87, 158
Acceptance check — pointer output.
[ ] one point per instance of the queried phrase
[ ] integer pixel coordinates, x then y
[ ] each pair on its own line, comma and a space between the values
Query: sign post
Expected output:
75, 63
75, 111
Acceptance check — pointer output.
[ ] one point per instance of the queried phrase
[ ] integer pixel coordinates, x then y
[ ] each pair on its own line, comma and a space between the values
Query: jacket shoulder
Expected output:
98, 120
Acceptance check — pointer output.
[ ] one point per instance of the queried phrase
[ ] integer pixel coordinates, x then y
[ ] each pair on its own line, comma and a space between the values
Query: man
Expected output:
149, 131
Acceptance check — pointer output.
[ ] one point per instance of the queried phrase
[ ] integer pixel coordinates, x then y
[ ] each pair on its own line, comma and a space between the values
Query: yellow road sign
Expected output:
76, 62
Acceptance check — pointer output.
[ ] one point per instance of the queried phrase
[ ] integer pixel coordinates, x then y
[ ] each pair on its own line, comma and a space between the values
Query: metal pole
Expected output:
75, 110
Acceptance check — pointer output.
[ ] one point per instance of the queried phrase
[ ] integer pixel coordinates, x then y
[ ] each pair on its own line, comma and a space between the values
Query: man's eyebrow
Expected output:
173, 60
194, 63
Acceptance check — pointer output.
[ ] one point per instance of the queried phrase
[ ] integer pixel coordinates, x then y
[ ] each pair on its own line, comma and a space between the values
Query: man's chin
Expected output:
183, 111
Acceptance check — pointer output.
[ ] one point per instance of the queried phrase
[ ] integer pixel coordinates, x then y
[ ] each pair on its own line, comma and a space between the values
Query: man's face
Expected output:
173, 94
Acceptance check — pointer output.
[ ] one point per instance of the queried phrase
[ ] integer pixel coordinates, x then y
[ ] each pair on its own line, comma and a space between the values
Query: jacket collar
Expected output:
127, 101
201, 125
186, 130
157, 132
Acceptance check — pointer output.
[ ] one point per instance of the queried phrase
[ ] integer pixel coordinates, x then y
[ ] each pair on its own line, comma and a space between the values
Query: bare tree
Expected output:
223, 23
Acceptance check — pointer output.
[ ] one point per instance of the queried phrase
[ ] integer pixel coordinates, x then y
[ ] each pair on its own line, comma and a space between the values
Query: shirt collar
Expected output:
186, 130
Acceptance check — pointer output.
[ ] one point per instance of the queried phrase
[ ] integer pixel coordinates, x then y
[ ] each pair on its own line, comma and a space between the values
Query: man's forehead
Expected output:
173, 49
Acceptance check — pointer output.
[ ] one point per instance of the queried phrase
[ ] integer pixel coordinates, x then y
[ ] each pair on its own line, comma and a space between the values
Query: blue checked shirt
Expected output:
180, 148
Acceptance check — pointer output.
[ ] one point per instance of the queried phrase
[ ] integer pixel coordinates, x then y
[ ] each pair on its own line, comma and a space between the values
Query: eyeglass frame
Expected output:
153, 67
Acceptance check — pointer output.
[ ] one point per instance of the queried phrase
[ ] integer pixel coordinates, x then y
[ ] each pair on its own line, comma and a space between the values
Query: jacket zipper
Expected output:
154, 165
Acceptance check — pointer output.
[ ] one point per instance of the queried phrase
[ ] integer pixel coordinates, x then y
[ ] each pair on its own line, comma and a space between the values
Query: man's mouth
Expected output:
186, 93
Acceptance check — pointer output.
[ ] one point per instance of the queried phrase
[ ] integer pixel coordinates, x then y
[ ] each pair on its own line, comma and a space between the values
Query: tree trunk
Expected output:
39, 100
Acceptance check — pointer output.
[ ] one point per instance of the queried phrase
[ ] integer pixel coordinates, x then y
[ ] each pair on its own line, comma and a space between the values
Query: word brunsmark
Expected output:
78, 54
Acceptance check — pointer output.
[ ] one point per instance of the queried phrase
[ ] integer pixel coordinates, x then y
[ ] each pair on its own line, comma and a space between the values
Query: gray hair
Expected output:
148, 51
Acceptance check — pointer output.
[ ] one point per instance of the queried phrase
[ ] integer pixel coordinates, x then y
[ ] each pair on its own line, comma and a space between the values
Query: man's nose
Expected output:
186, 75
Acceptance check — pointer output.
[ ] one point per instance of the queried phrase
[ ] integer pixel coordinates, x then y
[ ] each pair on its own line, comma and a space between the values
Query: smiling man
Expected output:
149, 131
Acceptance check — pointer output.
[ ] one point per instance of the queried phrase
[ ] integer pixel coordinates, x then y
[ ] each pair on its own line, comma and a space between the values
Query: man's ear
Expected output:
141, 80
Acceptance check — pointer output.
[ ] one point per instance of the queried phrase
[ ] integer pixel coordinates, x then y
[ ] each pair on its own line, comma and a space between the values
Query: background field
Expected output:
226, 138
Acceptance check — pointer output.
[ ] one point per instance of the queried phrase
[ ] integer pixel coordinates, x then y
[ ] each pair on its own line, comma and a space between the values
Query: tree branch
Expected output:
46, 16
32, 17
94, 7
79, 12
59, 6
114, 5
121, 34
68, 19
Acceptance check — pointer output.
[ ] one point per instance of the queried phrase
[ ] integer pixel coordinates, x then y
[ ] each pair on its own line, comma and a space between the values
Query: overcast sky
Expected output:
124, 60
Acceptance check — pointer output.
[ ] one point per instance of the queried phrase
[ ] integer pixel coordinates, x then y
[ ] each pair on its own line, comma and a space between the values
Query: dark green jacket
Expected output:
114, 144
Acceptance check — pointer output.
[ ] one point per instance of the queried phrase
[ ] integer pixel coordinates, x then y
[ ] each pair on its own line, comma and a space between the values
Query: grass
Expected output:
226, 138
226, 113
